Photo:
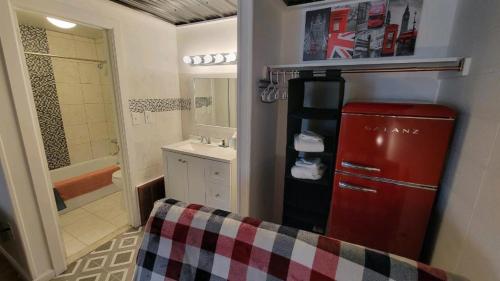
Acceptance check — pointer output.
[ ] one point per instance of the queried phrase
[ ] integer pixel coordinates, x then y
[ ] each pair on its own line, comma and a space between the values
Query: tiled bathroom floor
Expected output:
86, 227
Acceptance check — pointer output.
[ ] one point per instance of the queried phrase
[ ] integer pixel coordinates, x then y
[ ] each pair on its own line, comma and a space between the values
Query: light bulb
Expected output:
208, 59
187, 60
231, 57
197, 60
61, 23
219, 58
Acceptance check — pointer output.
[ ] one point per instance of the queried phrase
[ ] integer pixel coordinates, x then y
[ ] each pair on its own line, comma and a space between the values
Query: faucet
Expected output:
224, 144
205, 139
115, 142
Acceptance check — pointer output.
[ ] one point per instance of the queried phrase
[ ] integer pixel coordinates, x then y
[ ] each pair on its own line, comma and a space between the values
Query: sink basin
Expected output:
196, 147
210, 151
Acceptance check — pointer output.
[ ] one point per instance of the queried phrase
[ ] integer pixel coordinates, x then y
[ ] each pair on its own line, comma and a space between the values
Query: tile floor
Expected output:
114, 260
83, 229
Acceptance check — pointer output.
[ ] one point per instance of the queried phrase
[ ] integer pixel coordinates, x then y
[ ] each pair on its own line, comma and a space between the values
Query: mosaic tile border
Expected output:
159, 104
202, 101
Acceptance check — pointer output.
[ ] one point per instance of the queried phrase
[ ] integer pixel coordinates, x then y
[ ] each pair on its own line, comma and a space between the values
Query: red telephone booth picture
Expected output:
338, 20
390, 39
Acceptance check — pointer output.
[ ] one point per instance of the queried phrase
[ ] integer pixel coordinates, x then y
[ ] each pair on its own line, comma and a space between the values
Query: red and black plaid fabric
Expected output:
192, 242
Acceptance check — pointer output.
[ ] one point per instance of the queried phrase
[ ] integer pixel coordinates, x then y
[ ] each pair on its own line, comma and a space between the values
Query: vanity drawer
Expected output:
217, 172
218, 196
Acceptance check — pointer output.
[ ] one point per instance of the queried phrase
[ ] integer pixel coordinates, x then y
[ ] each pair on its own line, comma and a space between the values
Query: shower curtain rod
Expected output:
64, 57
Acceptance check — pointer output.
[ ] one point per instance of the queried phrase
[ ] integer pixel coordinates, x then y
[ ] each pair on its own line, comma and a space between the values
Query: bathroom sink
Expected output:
211, 151
197, 147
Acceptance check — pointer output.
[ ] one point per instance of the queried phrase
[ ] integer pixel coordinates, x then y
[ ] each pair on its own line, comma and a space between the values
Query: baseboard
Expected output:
46, 276
25, 275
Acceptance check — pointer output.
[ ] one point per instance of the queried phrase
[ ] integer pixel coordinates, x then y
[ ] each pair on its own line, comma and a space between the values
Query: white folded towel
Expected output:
316, 145
308, 173
312, 163
310, 136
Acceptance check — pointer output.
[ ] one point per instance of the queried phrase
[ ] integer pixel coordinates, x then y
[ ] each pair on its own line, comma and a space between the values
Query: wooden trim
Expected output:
148, 193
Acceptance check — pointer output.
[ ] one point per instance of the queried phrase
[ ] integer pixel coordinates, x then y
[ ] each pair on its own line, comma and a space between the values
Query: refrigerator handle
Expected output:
344, 185
359, 167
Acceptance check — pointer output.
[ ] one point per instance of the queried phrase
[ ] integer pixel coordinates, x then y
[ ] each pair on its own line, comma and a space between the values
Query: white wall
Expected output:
434, 35
17, 171
468, 239
147, 63
198, 39
259, 44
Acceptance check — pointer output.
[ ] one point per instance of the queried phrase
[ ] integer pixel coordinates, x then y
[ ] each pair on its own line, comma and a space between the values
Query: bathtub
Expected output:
82, 183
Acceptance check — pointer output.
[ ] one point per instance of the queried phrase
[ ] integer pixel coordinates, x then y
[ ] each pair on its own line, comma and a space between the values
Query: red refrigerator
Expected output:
389, 164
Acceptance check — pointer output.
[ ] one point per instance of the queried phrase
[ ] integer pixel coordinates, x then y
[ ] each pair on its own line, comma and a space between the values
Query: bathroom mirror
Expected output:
214, 101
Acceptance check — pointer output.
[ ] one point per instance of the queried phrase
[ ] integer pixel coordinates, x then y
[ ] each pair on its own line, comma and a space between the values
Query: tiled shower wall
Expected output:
74, 99
86, 96
42, 80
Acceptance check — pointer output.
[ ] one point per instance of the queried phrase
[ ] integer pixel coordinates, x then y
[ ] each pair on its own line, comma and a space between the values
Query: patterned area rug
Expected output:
112, 261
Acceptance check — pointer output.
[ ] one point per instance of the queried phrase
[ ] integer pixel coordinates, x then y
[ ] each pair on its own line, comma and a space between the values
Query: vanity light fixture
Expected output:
211, 59
61, 23
231, 57
208, 59
187, 60
197, 60
219, 58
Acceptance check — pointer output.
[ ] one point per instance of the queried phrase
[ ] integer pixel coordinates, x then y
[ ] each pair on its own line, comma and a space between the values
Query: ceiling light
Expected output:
197, 60
187, 60
219, 58
61, 23
231, 57
208, 59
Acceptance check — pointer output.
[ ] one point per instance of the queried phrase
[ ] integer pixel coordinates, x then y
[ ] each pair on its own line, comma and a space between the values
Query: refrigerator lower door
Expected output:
378, 215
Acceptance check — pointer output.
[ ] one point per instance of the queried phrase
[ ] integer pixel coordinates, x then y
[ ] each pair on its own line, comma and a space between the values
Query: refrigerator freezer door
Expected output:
378, 215
399, 148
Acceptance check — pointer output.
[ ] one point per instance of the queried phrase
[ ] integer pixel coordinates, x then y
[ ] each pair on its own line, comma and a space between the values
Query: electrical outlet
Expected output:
137, 118
149, 117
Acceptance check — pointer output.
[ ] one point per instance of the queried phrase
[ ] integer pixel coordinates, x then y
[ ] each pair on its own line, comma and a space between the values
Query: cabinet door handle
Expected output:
350, 165
216, 173
180, 160
217, 195
344, 185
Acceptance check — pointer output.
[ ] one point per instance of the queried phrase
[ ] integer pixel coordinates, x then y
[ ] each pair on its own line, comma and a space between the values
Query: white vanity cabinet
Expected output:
200, 179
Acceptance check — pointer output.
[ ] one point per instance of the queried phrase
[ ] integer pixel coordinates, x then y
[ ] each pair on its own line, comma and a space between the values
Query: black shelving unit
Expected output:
314, 103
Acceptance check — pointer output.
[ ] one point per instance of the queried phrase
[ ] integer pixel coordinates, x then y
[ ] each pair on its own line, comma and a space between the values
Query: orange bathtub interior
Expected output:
79, 185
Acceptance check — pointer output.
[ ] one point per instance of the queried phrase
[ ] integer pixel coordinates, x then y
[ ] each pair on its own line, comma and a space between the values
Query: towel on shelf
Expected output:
313, 163
308, 144
310, 136
308, 173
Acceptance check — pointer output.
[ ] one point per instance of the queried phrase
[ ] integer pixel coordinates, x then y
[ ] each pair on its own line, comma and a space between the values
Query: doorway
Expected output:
72, 83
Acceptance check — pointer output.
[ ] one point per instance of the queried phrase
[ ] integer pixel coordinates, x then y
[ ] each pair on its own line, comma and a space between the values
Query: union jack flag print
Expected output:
341, 45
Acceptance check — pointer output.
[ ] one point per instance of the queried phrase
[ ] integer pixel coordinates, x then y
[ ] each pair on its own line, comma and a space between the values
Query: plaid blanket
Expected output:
192, 242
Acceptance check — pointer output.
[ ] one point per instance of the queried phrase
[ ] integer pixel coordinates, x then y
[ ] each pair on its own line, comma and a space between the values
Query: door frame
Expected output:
28, 120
